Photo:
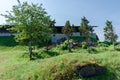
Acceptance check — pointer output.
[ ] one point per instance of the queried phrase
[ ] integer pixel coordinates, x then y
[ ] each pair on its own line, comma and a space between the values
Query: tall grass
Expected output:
16, 67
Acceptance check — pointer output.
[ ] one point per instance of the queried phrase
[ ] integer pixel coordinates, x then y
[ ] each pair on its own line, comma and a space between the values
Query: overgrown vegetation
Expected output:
15, 66
57, 64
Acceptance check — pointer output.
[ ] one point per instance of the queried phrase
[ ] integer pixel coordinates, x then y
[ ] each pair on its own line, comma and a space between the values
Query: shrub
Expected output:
117, 47
84, 45
91, 50
70, 41
62, 46
104, 44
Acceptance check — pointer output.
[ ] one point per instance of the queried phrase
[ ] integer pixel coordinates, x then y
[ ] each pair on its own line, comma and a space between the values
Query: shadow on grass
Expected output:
117, 49
41, 54
71, 73
44, 54
108, 75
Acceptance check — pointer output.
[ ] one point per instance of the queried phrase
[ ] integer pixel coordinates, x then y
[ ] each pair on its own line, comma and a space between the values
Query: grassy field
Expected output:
51, 65
15, 64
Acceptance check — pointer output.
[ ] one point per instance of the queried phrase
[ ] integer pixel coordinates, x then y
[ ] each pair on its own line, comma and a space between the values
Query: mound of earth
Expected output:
90, 70
84, 70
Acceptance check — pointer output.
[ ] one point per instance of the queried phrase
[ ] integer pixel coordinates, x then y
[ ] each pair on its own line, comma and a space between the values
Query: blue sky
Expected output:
96, 11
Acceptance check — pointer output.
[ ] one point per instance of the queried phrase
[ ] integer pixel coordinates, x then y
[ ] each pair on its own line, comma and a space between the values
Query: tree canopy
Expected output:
31, 22
109, 33
67, 29
85, 28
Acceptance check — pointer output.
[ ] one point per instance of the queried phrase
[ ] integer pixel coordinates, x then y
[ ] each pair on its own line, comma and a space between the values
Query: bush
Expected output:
82, 38
117, 47
104, 44
84, 45
91, 50
62, 46
70, 41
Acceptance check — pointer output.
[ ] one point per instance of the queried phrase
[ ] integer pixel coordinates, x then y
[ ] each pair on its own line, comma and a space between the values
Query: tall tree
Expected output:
109, 33
67, 30
31, 22
84, 28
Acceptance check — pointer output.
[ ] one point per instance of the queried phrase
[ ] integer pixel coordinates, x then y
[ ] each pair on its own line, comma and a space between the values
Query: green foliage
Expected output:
30, 21
7, 41
41, 54
104, 44
64, 45
70, 41
84, 28
117, 46
82, 38
109, 32
92, 50
16, 67
84, 45
67, 29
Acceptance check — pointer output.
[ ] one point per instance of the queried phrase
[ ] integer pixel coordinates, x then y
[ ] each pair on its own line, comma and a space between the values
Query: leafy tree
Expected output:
109, 34
67, 30
84, 28
31, 22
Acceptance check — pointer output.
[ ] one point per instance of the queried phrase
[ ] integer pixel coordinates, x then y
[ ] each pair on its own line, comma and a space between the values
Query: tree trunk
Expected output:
30, 48
114, 45
47, 46
68, 44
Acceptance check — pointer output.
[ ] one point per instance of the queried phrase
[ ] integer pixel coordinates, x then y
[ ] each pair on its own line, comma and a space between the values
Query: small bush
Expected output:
70, 41
84, 45
104, 44
62, 46
91, 50
117, 47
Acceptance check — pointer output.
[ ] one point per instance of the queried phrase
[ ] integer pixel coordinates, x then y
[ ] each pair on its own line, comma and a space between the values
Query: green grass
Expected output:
16, 67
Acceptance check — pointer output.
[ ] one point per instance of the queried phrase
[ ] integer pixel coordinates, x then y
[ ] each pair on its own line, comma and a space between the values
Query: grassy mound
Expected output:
59, 67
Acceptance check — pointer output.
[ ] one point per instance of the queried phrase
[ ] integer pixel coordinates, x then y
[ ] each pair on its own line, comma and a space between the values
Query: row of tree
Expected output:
33, 24
85, 29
